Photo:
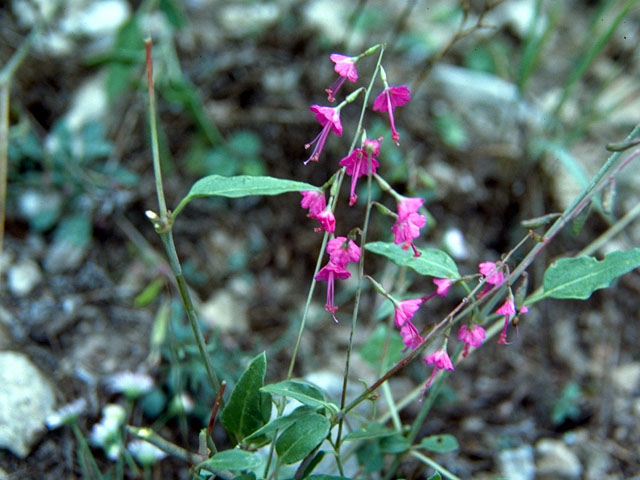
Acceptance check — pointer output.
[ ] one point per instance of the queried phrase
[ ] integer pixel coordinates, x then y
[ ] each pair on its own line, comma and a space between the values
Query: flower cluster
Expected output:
107, 433
362, 161
318, 209
408, 223
341, 252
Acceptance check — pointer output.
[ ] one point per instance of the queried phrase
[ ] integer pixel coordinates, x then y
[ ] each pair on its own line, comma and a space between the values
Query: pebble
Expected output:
517, 463
223, 311
26, 398
23, 277
556, 461
626, 378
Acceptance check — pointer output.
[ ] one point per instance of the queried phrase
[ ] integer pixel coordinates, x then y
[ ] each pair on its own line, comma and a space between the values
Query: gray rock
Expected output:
26, 398
556, 461
23, 277
626, 378
517, 463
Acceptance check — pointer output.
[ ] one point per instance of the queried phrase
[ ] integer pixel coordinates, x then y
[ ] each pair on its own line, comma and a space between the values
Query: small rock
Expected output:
23, 277
26, 398
327, 16
243, 19
517, 463
64, 256
225, 312
626, 378
556, 461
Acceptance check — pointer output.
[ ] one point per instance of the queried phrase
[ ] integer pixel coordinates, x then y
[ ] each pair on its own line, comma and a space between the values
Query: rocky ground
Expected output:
85, 290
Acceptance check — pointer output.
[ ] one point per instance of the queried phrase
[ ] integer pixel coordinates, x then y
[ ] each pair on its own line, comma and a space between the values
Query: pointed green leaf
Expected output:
305, 393
300, 438
241, 186
580, 277
435, 476
245, 411
235, 460
280, 423
439, 443
432, 262
372, 430
394, 444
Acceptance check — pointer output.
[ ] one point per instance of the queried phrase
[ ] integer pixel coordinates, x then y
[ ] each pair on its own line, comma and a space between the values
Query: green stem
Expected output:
84, 455
363, 240
164, 445
167, 240
6, 75
435, 465
163, 226
157, 171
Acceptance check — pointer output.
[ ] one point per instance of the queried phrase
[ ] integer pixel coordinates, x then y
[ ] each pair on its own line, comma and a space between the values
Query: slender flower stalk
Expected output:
162, 224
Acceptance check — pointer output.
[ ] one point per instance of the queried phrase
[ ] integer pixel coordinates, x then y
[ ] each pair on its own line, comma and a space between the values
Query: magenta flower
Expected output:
328, 274
388, 100
319, 210
492, 275
405, 311
314, 201
443, 284
440, 361
362, 161
508, 309
410, 336
345, 67
342, 251
409, 223
329, 118
472, 336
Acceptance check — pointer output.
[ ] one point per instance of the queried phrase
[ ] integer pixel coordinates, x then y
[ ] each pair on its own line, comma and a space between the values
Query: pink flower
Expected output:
472, 336
410, 336
443, 284
440, 361
327, 221
329, 118
319, 210
362, 161
492, 275
342, 251
314, 201
388, 100
508, 309
409, 223
345, 67
328, 274
405, 311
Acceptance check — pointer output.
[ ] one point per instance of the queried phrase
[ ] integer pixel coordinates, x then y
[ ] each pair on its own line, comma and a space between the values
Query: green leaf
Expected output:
280, 423
247, 408
373, 348
235, 460
432, 262
241, 186
305, 393
435, 476
370, 457
394, 444
300, 438
439, 443
580, 277
372, 430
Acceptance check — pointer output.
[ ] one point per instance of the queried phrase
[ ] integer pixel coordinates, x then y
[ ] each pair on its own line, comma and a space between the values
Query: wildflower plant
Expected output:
257, 414
296, 422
